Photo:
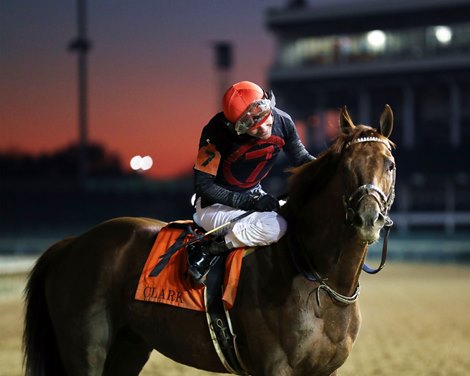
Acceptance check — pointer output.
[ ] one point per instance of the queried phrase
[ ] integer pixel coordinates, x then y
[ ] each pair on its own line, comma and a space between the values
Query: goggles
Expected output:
256, 113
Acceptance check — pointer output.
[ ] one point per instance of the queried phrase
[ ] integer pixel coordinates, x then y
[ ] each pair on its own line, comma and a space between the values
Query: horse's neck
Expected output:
333, 247
344, 272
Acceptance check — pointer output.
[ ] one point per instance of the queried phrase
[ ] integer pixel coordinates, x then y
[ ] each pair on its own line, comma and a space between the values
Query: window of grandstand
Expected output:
415, 43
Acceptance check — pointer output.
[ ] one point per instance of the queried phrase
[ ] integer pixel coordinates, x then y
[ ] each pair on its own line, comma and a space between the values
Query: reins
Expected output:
313, 276
383, 258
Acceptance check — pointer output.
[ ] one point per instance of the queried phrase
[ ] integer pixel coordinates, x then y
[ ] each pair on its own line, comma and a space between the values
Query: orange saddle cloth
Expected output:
173, 285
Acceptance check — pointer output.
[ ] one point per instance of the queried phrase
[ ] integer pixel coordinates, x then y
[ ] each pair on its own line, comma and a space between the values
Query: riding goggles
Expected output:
256, 113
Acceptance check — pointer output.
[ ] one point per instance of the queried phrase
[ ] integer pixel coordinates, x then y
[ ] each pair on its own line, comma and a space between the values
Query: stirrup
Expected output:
200, 262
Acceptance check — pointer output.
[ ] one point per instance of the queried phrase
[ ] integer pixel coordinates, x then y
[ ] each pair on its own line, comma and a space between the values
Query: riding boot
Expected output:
203, 255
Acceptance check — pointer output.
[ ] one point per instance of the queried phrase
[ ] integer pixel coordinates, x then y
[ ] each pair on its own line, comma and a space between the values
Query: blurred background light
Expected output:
443, 34
146, 163
141, 163
136, 162
376, 38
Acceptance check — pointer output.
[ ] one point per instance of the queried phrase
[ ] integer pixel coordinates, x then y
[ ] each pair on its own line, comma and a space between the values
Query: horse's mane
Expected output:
311, 177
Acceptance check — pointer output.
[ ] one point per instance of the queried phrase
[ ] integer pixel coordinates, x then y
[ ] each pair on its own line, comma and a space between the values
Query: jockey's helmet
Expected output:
246, 105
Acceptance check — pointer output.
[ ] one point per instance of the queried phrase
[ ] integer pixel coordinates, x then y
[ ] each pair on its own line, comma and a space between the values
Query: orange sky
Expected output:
152, 84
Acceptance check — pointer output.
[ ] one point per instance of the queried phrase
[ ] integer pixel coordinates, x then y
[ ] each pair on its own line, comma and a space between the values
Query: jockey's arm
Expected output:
295, 149
210, 192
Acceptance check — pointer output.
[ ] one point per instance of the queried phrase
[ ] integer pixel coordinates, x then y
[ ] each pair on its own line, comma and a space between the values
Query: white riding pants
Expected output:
256, 229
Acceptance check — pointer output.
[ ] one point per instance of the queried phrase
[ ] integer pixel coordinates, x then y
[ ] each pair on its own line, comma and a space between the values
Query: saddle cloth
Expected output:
173, 285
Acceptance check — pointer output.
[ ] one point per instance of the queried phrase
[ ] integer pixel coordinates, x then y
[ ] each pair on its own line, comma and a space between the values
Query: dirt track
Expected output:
416, 322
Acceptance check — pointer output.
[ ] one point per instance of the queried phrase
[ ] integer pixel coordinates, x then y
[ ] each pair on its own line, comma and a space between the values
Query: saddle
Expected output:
164, 279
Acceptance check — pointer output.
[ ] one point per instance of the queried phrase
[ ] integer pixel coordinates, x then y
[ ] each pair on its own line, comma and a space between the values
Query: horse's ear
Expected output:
386, 122
345, 121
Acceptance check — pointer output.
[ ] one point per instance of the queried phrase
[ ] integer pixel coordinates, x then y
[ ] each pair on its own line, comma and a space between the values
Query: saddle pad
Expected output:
173, 285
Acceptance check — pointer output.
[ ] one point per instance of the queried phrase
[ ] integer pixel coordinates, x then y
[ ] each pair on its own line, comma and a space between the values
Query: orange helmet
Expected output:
246, 105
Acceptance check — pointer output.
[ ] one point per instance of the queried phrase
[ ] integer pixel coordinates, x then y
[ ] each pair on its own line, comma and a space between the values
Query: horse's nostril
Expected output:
380, 218
368, 219
358, 220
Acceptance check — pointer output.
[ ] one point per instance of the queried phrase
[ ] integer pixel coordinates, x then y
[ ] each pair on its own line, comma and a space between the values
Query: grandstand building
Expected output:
412, 55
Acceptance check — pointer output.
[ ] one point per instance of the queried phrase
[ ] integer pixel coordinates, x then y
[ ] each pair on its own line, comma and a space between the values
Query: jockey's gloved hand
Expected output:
266, 203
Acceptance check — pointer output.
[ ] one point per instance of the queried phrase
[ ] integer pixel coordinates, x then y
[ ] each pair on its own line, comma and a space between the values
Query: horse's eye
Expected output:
390, 165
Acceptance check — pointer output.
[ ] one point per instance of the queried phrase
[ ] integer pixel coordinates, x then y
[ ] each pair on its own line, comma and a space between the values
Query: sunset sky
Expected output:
152, 82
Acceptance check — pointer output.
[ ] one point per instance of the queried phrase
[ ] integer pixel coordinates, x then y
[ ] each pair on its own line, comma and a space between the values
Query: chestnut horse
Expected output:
82, 319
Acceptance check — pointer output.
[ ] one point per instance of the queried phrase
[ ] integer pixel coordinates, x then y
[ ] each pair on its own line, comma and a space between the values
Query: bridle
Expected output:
385, 202
351, 204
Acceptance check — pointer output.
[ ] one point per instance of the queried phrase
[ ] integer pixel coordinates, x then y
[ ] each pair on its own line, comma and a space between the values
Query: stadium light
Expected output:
443, 34
139, 163
376, 39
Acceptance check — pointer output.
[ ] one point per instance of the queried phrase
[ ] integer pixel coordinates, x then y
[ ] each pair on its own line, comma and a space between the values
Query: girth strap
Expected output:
218, 319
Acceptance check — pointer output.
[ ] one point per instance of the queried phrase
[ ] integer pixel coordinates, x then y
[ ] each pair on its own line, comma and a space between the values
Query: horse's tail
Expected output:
40, 348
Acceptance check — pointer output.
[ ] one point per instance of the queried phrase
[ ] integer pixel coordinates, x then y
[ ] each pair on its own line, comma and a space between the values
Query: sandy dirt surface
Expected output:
416, 322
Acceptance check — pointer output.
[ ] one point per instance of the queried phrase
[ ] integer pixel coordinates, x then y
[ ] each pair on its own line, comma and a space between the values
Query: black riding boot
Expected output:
203, 255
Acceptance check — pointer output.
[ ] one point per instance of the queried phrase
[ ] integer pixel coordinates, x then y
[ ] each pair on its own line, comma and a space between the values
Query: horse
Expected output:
296, 310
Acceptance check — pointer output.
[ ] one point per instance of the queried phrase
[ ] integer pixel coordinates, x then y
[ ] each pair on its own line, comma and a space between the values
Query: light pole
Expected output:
223, 64
82, 45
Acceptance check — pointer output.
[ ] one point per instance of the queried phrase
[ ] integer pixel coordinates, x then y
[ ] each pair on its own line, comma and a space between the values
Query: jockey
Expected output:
237, 149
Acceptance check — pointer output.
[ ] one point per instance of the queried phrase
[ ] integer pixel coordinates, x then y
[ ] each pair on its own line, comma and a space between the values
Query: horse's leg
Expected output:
84, 339
127, 356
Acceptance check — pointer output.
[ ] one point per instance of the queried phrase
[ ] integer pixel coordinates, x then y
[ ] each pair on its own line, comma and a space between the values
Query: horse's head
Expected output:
353, 179
368, 174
